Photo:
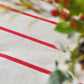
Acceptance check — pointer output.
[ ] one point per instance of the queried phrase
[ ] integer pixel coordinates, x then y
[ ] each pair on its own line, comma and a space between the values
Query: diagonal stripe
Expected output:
27, 14
34, 67
25, 64
28, 37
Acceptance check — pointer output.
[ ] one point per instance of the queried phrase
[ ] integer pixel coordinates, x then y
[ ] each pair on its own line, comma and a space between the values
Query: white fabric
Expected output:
40, 55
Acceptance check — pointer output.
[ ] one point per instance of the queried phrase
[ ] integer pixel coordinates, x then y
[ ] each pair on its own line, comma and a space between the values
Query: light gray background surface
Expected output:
40, 55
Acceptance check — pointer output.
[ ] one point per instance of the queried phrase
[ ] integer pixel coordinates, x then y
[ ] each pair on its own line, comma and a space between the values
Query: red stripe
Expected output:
28, 37
18, 11
39, 18
25, 64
